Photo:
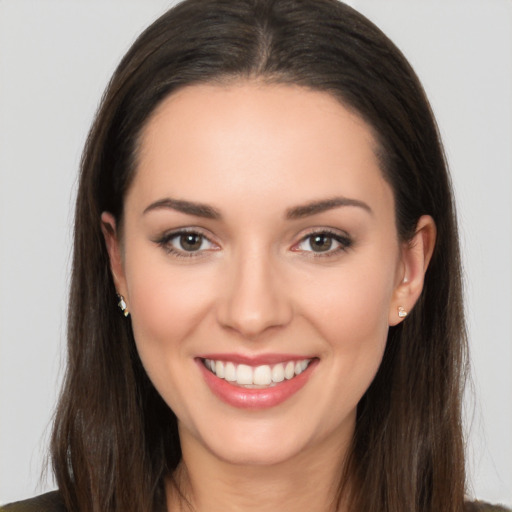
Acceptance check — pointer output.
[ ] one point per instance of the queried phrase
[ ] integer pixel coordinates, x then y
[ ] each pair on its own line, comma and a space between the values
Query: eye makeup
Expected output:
192, 242
186, 243
322, 242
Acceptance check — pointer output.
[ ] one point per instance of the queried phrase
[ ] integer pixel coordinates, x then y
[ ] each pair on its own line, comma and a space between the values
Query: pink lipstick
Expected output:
255, 383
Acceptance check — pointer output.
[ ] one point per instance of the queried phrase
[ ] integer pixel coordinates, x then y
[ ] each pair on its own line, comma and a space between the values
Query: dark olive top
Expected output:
51, 502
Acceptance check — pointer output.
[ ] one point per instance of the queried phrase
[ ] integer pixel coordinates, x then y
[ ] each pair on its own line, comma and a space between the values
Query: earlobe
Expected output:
109, 230
416, 256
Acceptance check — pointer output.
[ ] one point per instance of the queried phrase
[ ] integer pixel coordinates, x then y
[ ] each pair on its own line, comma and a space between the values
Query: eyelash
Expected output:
167, 238
344, 241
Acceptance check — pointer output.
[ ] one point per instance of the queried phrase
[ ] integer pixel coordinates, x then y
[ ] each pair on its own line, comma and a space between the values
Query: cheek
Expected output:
349, 308
167, 306
351, 304
351, 315
166, 302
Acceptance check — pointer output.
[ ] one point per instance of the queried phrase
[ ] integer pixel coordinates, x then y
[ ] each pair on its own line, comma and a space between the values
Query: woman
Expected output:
265, 197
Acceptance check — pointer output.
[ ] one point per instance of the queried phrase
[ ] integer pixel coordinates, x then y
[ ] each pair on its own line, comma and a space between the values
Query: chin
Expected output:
249, 441
249, 451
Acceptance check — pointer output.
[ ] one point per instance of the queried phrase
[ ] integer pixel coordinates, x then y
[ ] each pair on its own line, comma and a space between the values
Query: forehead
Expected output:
254, 139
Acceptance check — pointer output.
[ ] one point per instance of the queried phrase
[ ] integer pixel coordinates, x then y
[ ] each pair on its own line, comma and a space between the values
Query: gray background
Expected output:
55, 59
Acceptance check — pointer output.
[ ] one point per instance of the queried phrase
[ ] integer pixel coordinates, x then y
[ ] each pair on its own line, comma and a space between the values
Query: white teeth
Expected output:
263, 375
230, 372
278, 373
219, 369
244, 374
289, 371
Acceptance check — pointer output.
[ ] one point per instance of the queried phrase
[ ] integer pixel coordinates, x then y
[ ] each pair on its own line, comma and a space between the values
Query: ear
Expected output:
109, 229
416, 255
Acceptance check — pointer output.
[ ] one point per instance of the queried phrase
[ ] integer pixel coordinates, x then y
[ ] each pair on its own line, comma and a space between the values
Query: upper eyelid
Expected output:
171, 233
324, 230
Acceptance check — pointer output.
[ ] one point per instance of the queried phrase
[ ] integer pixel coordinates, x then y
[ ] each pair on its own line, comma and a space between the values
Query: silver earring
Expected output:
122, 305
401, 312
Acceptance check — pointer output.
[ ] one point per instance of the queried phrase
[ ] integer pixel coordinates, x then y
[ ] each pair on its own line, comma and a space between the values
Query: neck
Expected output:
309, 481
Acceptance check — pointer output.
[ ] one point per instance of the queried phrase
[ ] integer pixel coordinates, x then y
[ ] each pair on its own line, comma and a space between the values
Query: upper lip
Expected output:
255, 360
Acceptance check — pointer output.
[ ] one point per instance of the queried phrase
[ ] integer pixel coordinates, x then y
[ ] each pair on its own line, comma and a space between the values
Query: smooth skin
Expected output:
256, 273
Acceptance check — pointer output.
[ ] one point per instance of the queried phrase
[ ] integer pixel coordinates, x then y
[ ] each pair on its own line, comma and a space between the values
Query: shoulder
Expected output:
480, 506
49, 502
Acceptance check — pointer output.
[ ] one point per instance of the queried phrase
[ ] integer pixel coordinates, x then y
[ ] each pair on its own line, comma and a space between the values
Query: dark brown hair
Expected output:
114, 438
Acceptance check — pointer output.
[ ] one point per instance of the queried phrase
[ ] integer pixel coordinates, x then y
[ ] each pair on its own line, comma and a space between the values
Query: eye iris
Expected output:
191, 241
321, 243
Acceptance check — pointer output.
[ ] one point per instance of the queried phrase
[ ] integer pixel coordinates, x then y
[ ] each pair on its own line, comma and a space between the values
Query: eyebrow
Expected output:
188, 207
297, 212
315, 207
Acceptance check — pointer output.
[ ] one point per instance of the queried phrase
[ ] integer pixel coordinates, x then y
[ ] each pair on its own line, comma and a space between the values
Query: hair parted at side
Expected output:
114, 438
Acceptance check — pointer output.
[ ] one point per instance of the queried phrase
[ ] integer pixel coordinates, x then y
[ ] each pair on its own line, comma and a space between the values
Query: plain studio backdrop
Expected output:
56, 57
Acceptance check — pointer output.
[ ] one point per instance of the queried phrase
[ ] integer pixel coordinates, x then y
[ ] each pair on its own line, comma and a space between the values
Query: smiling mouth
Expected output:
256, 377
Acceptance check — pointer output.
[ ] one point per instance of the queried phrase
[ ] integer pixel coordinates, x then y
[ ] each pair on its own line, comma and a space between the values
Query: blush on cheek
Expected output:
165, 310
351, 309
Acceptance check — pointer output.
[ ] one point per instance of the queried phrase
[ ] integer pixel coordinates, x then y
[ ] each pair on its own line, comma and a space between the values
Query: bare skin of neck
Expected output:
309, 481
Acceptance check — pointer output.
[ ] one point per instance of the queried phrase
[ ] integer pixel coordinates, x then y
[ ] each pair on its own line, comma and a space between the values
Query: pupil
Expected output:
321, 243
190, 241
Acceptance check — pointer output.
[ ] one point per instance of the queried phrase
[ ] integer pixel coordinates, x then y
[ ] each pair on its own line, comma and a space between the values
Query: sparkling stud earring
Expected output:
401, 312
122, 305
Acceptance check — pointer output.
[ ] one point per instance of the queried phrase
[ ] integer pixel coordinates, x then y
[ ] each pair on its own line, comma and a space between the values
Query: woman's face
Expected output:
259, 234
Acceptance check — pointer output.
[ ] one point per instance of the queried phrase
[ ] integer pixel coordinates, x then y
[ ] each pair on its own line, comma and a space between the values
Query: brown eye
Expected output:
320, 243
190, 241
186, 243
324, 243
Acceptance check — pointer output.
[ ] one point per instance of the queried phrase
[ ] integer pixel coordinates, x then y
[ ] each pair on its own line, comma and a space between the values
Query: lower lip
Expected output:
244, 398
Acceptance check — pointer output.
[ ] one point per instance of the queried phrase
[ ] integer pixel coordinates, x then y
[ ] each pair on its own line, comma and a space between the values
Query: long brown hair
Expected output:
114, 438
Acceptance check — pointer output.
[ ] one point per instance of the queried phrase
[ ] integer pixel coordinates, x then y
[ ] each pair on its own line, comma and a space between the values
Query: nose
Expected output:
255, 297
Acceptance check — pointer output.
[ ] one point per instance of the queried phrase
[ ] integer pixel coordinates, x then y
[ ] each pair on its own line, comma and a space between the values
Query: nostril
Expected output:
253, 299
252, 320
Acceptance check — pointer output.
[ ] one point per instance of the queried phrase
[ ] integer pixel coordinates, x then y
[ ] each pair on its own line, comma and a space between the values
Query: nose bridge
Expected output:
254, 298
